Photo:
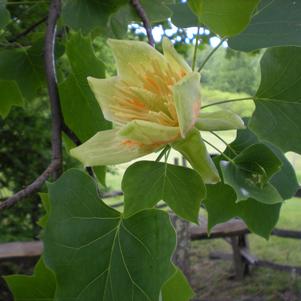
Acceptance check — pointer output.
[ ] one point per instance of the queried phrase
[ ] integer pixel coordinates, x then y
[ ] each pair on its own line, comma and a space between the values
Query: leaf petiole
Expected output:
228, 101
163, 152
211, 54
225, 142
195, 48
222, 154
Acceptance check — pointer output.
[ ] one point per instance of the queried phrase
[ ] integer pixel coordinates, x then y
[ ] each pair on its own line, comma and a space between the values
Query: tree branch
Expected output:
56, 112
27, 30
55, 166
146, 23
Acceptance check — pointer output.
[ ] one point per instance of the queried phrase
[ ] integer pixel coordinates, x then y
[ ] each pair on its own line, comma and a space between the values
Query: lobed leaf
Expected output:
10, 96
278, 100
225, 18
177, 288
38, 287
181, 188
285, 180
249, 174
221, 206
275, 23
97, 254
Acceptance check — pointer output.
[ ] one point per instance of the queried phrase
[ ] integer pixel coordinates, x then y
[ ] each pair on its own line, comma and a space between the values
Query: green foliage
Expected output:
85, 237
246, 186
38, 287
81, 111
284, 180
4, 14
275, 23
221, 206
75, 13
80, 108
11, 96
219, 16
22, 66
24, 153
182, 15
181, 188
177, 288
278, 103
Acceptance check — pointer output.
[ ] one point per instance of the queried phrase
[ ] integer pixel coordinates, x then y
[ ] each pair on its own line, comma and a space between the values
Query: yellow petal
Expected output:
194, 150
187, 99
108, 148
122, 103
219, 121
150, 133
105, 91
175, 60
135, 58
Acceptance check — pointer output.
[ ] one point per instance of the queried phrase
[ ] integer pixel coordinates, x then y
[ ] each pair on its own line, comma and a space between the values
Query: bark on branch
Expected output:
146, 23
55, 166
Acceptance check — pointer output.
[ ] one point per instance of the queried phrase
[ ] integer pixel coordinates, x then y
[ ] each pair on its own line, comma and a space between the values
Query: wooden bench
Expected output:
234, 232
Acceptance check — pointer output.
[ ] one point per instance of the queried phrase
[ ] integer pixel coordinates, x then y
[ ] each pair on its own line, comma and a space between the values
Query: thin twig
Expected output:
211, 54
28, 30
146, 23
225, 142
196, 48
55, 166
222, 154
77, 142
71, 134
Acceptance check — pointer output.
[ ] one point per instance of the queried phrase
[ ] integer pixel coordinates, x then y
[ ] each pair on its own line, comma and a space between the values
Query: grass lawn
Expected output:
212, 279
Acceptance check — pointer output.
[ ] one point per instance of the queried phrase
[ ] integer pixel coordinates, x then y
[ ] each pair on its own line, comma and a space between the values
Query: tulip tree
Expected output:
151, 105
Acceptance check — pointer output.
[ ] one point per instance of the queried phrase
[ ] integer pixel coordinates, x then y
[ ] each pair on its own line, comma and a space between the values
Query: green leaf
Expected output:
221, 206
25, 66
114, 258
181, 188
156, 11
183, 16
276, 23
177, 288
10, 96
249, 174
285, 181
86, 15
19, 65
4, 14
81, 111
38, 287
42, 222
226, 18
278, 103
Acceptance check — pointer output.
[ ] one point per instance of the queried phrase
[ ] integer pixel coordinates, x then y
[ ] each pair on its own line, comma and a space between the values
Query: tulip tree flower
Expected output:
154, 101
